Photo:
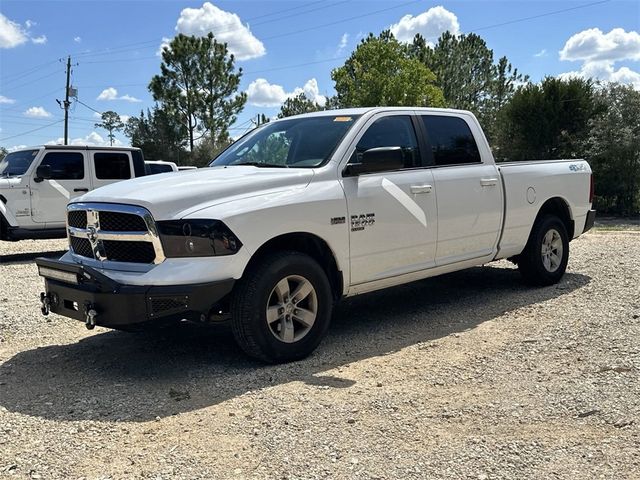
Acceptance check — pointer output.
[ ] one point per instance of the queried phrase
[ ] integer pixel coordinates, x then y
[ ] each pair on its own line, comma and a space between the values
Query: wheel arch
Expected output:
559, 207
307, 243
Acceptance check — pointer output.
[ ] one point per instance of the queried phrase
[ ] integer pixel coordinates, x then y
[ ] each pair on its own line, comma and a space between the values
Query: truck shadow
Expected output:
115, 376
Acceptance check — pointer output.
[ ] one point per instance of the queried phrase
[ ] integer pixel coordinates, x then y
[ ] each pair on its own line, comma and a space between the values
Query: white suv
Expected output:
37, 183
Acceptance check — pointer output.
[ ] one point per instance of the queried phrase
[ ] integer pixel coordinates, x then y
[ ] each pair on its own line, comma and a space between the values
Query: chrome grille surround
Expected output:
96, 236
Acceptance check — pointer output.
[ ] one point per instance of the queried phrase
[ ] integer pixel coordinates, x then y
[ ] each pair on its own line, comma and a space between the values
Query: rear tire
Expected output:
281, 308
544, 259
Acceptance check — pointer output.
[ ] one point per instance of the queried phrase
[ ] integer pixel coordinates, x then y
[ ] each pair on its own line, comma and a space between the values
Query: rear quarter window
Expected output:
451, 140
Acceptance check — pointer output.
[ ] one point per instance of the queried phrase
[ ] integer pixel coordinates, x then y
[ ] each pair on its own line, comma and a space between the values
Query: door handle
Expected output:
421, 188
488, 182
80, 189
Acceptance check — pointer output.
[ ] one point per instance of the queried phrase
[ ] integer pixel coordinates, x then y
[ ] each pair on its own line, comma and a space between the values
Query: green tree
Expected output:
380, 73
112, 123
158, 135
207, 149
613, 149
297, 105
3, 152
198, 84
549, 120
469, 78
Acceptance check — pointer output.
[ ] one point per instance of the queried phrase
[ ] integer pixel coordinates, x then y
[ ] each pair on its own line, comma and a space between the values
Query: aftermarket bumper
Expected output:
83, 293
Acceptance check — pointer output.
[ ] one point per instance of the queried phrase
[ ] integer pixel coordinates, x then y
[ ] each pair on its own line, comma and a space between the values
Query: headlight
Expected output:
197, 238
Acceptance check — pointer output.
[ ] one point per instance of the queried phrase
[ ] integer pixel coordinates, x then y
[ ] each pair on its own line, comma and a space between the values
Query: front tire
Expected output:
544, 259
281, 308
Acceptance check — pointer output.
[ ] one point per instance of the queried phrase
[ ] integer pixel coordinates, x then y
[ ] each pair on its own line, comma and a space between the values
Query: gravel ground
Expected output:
470, 375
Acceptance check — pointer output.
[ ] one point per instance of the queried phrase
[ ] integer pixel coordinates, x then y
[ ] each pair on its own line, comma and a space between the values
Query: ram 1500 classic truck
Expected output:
36, 184
306, 210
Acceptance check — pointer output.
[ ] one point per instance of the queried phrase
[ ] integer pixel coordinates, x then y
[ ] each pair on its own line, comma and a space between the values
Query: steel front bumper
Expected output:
83, 293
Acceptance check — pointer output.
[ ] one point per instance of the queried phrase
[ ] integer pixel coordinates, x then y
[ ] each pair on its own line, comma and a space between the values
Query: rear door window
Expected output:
65, 165
451, 140
112, 166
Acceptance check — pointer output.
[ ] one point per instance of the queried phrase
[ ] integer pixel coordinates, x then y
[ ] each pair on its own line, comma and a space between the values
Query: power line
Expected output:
125, 47
533, 17
31, 131
90, 108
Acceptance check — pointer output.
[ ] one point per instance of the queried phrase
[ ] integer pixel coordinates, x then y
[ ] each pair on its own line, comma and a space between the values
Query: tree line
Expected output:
197, 102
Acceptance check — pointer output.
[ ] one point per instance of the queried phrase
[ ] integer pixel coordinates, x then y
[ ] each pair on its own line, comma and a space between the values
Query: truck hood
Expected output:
176, 194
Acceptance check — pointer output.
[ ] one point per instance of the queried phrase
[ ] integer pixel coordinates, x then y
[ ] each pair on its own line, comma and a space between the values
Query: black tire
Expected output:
253, 294
531, 263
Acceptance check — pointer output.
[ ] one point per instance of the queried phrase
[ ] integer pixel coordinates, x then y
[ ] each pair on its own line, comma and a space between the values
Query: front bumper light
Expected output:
197, 238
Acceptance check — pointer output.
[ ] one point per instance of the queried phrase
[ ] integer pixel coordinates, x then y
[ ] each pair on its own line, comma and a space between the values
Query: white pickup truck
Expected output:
37, 183
304, 211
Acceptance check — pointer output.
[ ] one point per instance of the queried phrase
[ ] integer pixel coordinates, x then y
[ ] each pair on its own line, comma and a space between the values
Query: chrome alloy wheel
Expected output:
552, 250
292, 308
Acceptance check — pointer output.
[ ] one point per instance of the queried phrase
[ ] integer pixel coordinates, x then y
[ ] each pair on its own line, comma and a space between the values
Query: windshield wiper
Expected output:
259, 164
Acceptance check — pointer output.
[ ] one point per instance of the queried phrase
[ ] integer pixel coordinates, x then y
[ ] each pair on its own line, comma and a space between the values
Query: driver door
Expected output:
69, 179
392, 214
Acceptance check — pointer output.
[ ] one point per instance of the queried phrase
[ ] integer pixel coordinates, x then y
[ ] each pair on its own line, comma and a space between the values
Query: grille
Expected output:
77, 218
81, 246
136, 252
121, 222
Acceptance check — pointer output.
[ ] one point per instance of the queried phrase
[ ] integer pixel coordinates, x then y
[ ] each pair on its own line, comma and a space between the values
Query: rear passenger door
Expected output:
469, 192
109, 167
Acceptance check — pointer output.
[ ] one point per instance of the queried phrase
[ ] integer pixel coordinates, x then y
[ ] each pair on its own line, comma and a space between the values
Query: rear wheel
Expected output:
281, 308
544, 259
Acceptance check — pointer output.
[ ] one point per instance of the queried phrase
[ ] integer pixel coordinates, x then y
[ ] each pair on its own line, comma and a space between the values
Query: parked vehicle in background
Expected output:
37, 183
159, 166
186, 167
309, 209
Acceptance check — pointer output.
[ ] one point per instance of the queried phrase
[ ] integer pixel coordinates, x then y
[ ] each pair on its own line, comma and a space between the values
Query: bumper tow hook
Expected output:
45, 303
90, 316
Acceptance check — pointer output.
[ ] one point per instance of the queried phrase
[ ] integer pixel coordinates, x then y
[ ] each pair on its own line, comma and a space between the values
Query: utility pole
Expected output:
67, 103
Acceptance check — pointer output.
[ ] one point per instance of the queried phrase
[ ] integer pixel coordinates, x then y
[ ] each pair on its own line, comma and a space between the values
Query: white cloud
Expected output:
92, 138
16, 147
11, 34
6, 100
343, 44
594, 45
36, 112
77, 39
605, 72
226, 27
112, 94
41, 40
541, 53
599, 53
430, 24
261, 93
30, 23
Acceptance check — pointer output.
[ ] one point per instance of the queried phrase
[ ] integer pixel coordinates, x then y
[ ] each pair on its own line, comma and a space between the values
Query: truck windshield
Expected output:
296, 143
17, 163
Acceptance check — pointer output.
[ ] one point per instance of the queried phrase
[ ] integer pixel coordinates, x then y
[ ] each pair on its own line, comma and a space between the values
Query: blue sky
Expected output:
284, 47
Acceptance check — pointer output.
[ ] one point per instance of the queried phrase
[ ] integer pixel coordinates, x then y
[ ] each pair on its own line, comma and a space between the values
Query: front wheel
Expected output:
281, 308
544, 259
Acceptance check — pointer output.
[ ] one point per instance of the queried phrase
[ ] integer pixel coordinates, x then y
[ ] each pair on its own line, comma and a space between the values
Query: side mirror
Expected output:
43, 172
380, 159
